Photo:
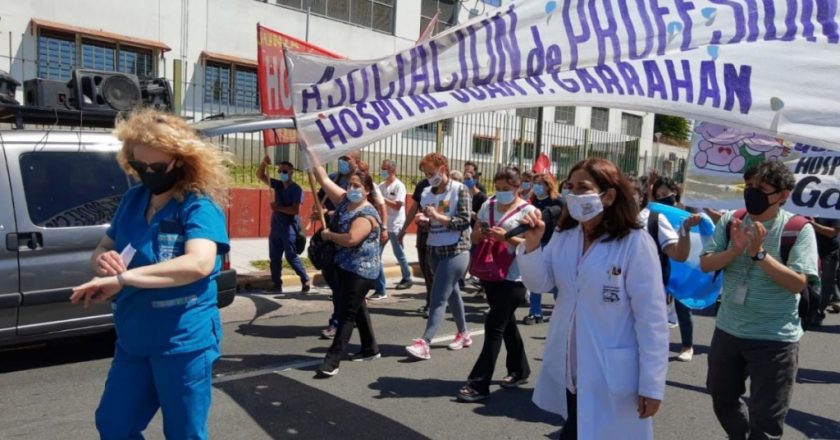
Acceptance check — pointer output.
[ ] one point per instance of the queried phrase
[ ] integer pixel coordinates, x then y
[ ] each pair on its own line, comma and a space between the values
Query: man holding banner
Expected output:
758, 327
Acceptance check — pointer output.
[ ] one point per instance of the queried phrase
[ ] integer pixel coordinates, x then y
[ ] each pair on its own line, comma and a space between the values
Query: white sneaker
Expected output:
462, 340
419, 349
686, 355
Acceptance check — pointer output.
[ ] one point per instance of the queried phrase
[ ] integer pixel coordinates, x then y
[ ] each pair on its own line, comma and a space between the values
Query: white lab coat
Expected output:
616, 297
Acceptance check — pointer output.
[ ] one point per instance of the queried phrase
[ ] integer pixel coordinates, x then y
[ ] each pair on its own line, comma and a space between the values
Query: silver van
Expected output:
58, 192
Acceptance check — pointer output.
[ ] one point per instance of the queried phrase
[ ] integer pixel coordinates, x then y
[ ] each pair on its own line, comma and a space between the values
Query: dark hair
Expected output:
367, 182
619, 218
509, 175
773, 173
476, 173
287, 163
667, 182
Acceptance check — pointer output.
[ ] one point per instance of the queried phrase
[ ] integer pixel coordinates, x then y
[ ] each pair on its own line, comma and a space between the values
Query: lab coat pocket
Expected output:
622, 371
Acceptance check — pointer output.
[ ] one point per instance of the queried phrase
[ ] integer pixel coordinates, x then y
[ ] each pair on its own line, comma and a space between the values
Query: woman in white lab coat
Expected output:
606, 353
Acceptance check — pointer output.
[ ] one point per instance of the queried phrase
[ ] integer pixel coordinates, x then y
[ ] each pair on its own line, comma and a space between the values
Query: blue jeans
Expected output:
446, 273
397, 247
536, 302
282, 241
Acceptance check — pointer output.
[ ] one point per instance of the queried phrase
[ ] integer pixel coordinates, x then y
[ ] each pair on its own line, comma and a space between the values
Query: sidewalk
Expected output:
245, 250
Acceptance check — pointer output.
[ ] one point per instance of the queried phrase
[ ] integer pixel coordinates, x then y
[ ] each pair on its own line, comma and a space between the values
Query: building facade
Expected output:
206, 49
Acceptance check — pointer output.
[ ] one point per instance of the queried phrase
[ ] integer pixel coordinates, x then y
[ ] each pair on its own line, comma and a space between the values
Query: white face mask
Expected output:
436, 179
584, 207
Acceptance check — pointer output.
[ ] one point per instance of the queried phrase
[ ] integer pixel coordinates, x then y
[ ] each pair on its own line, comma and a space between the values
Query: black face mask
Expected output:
159, 183
670, 200
757, 201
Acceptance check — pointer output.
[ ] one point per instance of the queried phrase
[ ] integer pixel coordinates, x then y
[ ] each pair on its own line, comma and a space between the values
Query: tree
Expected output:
675, 128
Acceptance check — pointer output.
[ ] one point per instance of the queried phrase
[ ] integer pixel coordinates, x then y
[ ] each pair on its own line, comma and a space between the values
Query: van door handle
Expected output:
30, 240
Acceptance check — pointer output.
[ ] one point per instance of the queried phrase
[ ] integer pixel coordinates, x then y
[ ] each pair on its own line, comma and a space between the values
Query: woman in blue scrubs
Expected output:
158, 265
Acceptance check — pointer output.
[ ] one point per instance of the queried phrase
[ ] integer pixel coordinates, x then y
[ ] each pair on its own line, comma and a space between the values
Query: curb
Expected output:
262, 279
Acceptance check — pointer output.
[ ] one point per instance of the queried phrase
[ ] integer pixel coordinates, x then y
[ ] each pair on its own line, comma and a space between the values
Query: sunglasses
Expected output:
141, 167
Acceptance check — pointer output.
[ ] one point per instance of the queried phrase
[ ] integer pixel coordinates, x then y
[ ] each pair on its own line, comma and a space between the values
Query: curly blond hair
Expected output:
204, 165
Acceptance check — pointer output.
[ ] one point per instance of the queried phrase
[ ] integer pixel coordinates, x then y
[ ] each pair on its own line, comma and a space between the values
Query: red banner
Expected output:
273, 80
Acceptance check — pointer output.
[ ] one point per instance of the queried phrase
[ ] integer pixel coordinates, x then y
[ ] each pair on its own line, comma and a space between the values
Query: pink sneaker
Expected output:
419, 349
462, 340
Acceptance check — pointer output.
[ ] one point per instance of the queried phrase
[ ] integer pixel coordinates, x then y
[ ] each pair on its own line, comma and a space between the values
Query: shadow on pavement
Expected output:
279, 331
808, 375
811, 425
516, 404
58, 352
286, 408
230, 364
401, 387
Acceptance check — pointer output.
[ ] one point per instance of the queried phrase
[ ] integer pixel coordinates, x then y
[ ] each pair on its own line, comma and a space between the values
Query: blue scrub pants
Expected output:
179, 384
281, 241
536, 302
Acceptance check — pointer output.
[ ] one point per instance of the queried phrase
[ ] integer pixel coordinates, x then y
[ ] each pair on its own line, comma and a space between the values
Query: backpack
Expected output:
664, 261
491, 260
809, 298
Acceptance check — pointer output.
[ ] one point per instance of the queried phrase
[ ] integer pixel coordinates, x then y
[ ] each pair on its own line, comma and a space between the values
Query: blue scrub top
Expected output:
169, 320
284, 197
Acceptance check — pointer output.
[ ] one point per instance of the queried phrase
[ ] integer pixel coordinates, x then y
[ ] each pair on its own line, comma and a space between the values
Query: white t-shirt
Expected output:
394, 192
511, 222
667, 234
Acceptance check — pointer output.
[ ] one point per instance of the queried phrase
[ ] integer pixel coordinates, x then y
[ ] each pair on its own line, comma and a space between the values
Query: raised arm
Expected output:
331, 189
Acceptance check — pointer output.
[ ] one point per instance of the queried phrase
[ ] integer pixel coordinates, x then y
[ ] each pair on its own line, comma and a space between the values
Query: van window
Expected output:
65, 189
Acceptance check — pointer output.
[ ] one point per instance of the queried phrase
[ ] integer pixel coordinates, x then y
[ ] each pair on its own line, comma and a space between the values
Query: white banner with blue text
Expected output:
770, 66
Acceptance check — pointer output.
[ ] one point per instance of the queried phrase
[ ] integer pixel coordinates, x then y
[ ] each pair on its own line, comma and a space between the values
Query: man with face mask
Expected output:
758, 327
285, 208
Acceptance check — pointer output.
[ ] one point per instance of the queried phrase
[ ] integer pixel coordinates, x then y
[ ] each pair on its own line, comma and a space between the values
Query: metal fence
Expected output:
492, 140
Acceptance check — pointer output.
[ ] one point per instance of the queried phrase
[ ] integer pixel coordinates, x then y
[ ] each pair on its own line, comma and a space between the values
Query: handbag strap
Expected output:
507, 214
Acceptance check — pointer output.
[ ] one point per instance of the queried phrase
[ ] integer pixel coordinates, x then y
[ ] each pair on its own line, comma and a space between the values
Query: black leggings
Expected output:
353, 312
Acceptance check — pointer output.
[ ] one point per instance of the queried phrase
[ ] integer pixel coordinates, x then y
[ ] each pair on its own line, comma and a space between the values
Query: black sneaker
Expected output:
378, 296
327, 370
404, 284
362, 357
306, 287
532, 319
277, 288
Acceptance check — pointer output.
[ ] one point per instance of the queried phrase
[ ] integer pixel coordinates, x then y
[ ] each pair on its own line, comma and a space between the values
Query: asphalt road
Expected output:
265, 385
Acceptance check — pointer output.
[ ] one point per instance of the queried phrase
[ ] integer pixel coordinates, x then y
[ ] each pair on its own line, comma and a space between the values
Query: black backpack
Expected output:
664, 261
809, 298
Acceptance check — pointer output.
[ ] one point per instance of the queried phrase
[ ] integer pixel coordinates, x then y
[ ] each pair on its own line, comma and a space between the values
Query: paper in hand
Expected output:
127, 254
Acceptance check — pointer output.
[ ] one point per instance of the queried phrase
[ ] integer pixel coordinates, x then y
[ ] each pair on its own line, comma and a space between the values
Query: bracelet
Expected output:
120, 279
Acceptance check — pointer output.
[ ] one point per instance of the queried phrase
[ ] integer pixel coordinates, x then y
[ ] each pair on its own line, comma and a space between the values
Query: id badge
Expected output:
740, 295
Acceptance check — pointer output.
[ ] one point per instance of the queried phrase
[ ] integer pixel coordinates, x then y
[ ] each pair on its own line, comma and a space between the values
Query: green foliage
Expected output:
264, 265
672, 127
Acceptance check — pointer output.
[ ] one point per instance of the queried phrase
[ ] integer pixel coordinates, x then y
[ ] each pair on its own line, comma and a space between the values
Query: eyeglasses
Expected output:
141, 167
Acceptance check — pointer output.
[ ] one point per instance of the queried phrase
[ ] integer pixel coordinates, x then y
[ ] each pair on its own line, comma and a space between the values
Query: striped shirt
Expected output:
769, 311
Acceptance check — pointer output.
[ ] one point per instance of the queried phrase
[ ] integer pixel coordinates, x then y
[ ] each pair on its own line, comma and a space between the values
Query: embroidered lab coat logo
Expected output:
610, 294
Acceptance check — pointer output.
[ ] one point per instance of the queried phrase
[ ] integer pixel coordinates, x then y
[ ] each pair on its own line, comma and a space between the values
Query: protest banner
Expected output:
273, 80
769, 66
720, 155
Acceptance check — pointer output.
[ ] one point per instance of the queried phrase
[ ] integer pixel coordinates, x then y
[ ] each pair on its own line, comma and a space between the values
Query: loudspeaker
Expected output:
156, 93
8, 86
104, 91
46, 93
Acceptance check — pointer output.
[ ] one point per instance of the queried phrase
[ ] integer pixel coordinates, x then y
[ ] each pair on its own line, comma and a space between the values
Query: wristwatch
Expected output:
759, 256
